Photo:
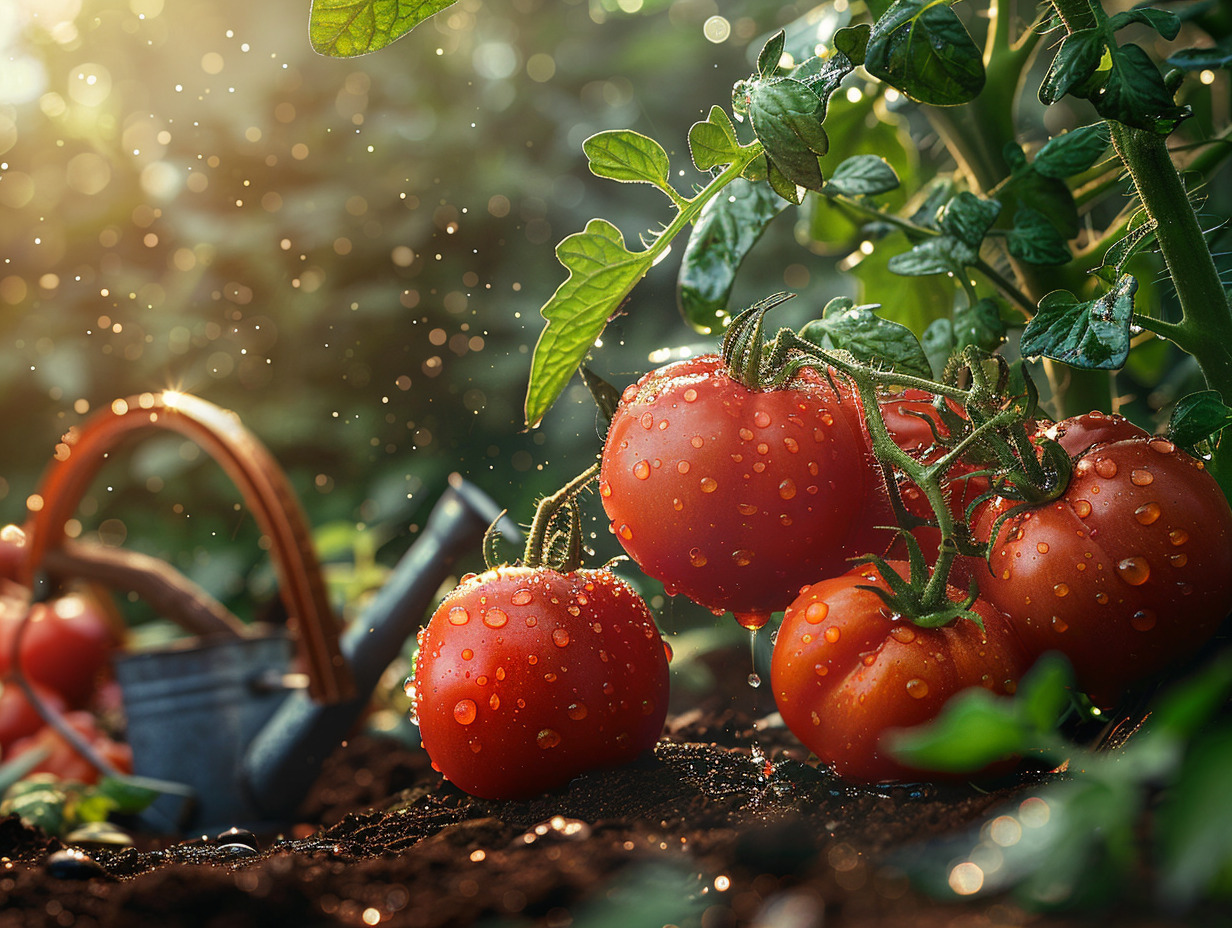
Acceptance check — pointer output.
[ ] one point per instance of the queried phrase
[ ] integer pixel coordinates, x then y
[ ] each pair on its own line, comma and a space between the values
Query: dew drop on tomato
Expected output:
708, 484
1134, 570
696, 558
787, 489
816, 612
1162, 445
682, 468
459, 616
917, 688
1143, 620
475, 746
1178, 560
667, 650
746, 509
493, 701
464, 711
548, 738
495, 618
761, 418
560, 637
1101, 598
751, 620
791, 445
1042, 547
1061, 589
1148, 513
625, 532
742, 557
690, 395
1177, 537
1082, 508
1058, 624
467, 654
832, 634
745, 434
696, 441
576, 711
605, 489
1141, 478
641, 470
1106, 468
904, 634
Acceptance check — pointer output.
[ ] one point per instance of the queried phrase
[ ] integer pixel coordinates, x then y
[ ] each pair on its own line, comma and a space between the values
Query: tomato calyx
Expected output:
921, 596
548, 543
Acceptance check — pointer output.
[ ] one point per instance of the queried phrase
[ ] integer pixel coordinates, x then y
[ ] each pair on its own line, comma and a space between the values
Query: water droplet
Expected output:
629, 393
576, 711
1101, 598
1178, 536
917, 688
605, 489
625, 532
500, 673
821, 669
754, 680
1106, 468
521, 597
1162, 445
1141, 478
1178, 560
547, 738
532, 659
1134, 570
495, 618
696, 558
560, 637
751, 620
746, 509
742, 557
1147, 513
1061, 589
791, 445
465, 711
532, 621
787, 489
1143, 620
1059, 624
763, 448
708, 484
549, 677
493, 701
1042, 547
690, 395
1082, 508
467, 654
641, 470
761, 418
816, 612
904, 634
832, 634
682, 467
746, 434
459, 616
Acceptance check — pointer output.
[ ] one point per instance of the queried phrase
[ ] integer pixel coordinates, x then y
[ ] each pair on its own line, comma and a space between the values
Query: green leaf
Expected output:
852, 41
869, 337
974, 730
968, 218
126, 796
942, 255
1050, 196
1134, 93
1075, 63
1190, 705
921, 48
914, 301
770, 55
725, 232
1198, 417
1094, 334
1034, 240
627, 156
787, 116
1195, 844
863, 175
346, 28
1165, 23
979, 324
602, 271
1073, 152
713, 142
1044, 692
1204, 59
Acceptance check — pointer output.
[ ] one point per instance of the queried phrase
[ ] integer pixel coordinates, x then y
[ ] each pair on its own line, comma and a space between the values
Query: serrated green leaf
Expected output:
974, 730
713, 142
346, 28
979, 324
627, 156
1092, 334
787, 116
863, 175
1073, 152
944, 254
1197, 417
1034, 240
602, 271
869, 337
1134, 93
1075, 62
968, 217
921, 48
1165, 23
725, 232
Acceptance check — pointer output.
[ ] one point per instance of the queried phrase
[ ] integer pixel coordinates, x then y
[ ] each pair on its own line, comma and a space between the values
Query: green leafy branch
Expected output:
347, 28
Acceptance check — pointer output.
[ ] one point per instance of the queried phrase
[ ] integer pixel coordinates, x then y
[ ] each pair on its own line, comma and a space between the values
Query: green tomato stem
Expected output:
545, 513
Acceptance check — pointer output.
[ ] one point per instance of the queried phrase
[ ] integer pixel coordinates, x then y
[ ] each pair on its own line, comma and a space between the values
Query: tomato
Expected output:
18, 718
62, 759
846, 670
12, 551
736, 497
527, 677
66, 645
1081, 433
1129, 571
902, 414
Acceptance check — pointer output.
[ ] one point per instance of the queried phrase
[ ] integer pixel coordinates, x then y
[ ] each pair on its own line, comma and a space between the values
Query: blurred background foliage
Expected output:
350, 254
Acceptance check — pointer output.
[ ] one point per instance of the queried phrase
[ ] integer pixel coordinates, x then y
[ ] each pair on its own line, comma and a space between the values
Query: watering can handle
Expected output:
249, 464
284, 760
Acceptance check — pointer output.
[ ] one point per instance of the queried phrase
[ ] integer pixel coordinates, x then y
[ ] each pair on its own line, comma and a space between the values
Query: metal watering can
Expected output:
231, 726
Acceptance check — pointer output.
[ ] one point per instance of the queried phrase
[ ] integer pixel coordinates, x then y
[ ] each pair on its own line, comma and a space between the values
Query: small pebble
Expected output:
239, 836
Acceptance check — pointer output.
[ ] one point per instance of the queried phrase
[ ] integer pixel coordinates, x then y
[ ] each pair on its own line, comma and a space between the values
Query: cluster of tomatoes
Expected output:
758, 501
64, 651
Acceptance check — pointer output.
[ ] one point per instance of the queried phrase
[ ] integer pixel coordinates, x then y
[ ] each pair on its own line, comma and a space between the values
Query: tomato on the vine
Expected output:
62, 759
736, 497
66, 644
846, 669
18, 717
1129, 571
527, 677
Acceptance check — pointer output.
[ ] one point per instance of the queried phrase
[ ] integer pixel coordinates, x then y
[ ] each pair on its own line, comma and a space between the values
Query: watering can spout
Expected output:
285, 757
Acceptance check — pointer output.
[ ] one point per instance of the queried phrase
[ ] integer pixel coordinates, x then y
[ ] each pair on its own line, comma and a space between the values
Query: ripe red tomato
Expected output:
902, 414
18, 718
736, 497
67, 643
63, 761
527, 677
845, 670
1127, 572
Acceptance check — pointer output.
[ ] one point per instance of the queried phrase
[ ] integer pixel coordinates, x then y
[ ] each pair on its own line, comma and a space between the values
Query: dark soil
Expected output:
723, 825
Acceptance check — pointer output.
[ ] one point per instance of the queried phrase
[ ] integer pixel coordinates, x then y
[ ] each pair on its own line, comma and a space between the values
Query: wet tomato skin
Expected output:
527, 677
846, 670
1128, 572
736, 497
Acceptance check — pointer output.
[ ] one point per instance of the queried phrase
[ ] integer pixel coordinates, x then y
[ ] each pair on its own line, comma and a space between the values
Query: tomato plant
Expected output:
529, 675
66, 644
734, 495
63, 760
1126, 572
18, 717
847, 669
